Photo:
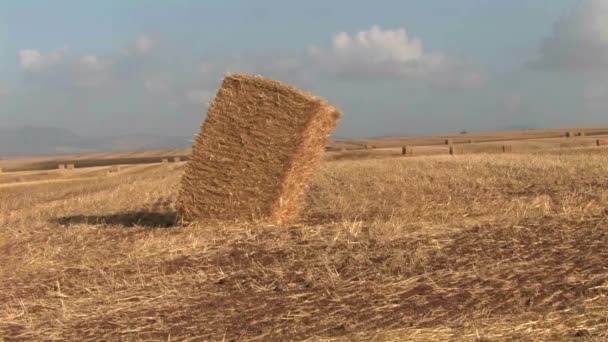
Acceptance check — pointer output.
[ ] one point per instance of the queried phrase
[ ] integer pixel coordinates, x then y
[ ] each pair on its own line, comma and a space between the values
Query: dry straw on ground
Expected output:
256, 152
115, 169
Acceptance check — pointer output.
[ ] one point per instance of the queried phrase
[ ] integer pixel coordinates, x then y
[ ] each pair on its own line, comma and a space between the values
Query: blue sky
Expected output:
393, 67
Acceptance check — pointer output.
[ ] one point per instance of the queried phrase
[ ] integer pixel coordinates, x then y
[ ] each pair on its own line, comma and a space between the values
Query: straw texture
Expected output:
256, 152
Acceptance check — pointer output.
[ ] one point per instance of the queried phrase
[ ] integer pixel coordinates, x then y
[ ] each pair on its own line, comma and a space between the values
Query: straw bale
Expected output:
601, 142
507, 148
177, 159
61, 166
569, 134
165, 160
449, 141
456, 150
70, 166
407, 151
581, 134
256, 152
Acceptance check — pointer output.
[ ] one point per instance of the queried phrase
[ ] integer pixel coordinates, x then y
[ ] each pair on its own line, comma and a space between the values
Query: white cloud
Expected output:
93, 63
391, 54
155, 86
579, 40
32, 60
144, 44
199, 96
91, 71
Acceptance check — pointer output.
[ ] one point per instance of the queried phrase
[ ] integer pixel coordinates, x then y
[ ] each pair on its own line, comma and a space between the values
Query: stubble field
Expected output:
469, 247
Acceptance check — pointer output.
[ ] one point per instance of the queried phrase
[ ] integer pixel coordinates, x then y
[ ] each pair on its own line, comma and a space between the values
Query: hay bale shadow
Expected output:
128, 219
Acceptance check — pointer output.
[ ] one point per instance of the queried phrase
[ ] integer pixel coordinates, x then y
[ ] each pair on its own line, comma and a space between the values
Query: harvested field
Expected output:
256, 152
496, 247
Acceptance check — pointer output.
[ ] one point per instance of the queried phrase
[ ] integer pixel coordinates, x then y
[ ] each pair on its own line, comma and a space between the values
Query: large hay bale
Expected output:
177, 159
70, 166
61, 166
581, 134
407, 151
256, 152
165, 160
569, 134
449, 141
601, 142
507, 149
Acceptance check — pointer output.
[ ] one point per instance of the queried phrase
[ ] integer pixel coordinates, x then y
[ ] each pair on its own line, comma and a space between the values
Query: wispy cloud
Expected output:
579, 40
391, 54
32, 60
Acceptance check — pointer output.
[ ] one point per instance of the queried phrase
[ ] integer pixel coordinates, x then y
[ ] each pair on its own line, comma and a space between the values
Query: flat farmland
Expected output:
479, 246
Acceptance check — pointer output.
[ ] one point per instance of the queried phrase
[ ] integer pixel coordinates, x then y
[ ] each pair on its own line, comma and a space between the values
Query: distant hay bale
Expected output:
369, 147
569, 134
507, 149
449, 141
115, 169
407, 151
165, 160
0, 170
601, 142
256, 152
61, 166
470, 141
70, 166
177, 159
456, 150
581, 134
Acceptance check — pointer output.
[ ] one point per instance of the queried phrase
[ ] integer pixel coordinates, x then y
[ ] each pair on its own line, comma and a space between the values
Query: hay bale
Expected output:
456, 150
70, 166
256, 152
61, 166
569, 134
470, 141
581, 134
165, 160
507, 149
407, 151
177, 159
449, 141
601, 142
369, 147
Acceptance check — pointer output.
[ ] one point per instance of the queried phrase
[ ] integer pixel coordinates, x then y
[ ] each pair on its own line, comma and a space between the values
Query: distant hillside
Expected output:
45, 140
